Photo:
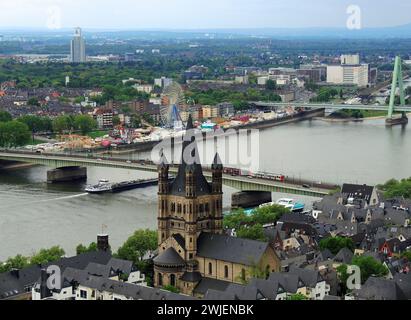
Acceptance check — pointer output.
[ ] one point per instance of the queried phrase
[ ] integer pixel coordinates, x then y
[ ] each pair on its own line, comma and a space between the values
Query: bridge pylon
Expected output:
397, 83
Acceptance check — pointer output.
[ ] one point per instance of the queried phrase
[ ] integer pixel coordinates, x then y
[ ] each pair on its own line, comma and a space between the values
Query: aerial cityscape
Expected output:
223, 157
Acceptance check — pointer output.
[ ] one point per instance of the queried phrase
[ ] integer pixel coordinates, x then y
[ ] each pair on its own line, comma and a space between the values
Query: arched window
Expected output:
210, 268
226, 272
173, 280
160, 279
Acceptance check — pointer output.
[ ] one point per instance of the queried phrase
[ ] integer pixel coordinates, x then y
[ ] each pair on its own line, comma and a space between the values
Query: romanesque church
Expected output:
194, 254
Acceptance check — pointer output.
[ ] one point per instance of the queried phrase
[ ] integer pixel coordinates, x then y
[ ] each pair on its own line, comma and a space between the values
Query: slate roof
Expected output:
180, 240
242, 292
230, 249
215, 295
211, 284
177, 187
289, 281
12, 285
100, 270
191, 276
325, 255
357, 191
122, 266
270, 289
309, 277
379, 289
404, 283
169, 257
136, 292
345, 256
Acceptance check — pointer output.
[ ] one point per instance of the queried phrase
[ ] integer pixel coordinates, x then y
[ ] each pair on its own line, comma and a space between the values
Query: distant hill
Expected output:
403, 31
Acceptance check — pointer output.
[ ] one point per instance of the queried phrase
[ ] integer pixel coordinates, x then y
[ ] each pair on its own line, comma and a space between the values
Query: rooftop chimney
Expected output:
102, 242
44, 290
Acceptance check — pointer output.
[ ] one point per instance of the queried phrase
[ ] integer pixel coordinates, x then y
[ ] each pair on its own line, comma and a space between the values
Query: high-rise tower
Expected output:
78, 47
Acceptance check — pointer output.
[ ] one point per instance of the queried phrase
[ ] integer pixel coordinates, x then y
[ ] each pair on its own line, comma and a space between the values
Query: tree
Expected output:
36, 124
407, 255
5, 116
369, 267
84, 123
270, 85
62, 124
255, 232
13, 134
171, 289
135, 121
45, 256
268, 214
18, 262
343, 275
335, 244
116, 120
136, 246
394, 188
33, 102
80, 249
234, 219
297, 297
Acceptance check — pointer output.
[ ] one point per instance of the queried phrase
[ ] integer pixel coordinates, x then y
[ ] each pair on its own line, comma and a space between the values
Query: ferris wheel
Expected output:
170, 112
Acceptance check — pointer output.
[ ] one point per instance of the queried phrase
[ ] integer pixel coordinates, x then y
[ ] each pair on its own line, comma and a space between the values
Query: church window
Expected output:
173, 280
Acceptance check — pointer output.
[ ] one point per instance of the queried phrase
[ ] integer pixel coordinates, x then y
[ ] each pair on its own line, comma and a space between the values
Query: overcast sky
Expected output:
198, 14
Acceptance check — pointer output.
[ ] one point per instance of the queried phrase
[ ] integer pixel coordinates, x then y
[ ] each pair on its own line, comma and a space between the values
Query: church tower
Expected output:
188, 206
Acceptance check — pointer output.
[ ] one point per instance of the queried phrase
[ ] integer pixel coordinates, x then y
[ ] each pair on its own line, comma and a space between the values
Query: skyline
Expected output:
184, 14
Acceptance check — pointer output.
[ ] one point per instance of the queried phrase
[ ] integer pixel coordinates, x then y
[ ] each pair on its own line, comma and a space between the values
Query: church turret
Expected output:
217, 170
163, 189
163, 169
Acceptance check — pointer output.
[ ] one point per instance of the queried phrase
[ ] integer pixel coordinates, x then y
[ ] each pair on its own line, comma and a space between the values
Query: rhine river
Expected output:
36, 215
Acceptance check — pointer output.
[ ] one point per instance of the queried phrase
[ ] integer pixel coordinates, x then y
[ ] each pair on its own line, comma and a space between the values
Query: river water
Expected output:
36, 215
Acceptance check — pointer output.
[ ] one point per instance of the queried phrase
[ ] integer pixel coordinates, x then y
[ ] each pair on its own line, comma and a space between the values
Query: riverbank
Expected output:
340, 120
260, 125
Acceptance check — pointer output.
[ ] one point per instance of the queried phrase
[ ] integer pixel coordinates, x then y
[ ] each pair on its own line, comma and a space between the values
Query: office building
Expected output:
349, 72
350, 59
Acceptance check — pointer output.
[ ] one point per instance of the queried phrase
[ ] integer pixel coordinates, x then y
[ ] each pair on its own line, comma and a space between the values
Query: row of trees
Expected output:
15, 133
394, 188
44, 256
238, 98
68, 123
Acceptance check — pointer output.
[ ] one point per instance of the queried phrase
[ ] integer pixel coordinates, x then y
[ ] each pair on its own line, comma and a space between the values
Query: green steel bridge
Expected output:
241, 183
397, 83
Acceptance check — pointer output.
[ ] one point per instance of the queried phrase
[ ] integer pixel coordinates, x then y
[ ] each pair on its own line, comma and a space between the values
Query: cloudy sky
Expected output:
198, 14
